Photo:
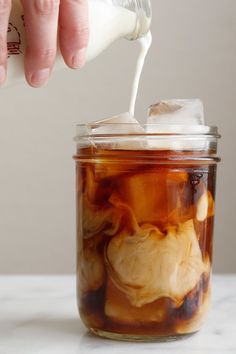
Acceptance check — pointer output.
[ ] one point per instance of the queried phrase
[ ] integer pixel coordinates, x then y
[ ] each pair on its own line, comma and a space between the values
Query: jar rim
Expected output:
149, 130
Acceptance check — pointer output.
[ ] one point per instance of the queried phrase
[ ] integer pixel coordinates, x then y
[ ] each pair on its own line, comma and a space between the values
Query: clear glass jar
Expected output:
145, 217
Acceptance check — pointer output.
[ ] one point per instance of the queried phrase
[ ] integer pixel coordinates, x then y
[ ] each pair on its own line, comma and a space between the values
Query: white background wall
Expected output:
193, 55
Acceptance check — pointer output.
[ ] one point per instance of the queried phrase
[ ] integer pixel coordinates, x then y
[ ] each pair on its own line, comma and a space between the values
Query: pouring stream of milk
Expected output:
145, 44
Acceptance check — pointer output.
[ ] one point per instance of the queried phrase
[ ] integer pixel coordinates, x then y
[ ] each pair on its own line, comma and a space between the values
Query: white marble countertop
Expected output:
38, 315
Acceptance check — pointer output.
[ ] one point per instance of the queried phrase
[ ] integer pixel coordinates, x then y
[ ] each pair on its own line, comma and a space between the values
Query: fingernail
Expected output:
39, 78
79, 58
2, 74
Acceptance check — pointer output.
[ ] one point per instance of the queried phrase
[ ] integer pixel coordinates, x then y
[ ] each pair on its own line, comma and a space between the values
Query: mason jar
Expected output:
145, 219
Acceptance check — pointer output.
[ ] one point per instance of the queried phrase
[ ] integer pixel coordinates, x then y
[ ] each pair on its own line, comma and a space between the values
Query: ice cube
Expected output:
123, 123
120, 132
205, 206
92, 271
165, 200
178, 112
119, 309
178, 118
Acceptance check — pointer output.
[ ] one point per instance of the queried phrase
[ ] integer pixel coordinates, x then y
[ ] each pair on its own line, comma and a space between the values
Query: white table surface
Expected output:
38, 315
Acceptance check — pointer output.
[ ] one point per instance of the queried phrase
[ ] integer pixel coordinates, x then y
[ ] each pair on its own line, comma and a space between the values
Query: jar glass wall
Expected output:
145, 217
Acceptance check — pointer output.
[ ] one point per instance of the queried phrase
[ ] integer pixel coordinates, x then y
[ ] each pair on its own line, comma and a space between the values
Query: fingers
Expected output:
5, 9
41, 23
74, 31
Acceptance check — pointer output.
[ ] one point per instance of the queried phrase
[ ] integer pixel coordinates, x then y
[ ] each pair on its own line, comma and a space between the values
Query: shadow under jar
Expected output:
145, 216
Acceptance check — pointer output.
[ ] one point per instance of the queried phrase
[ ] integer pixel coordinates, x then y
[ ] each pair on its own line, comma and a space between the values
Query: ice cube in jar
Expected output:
177, 118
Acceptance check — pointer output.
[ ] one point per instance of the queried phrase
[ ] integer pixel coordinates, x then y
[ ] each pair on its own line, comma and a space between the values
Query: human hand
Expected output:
47, 24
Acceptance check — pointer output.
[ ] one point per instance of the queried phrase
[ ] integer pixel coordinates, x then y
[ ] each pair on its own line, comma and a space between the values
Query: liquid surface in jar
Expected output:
144, 240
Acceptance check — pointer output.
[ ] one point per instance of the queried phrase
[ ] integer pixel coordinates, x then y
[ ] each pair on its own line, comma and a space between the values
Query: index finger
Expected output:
41, 23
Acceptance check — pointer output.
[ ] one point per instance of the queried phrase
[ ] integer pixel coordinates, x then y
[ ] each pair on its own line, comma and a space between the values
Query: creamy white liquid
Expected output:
107, 24
145, 44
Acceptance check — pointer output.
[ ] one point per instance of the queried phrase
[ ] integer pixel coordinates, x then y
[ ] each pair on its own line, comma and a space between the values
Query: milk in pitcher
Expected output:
109, 20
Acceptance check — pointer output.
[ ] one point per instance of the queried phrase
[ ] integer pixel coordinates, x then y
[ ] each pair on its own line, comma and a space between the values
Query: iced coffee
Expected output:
145, 215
